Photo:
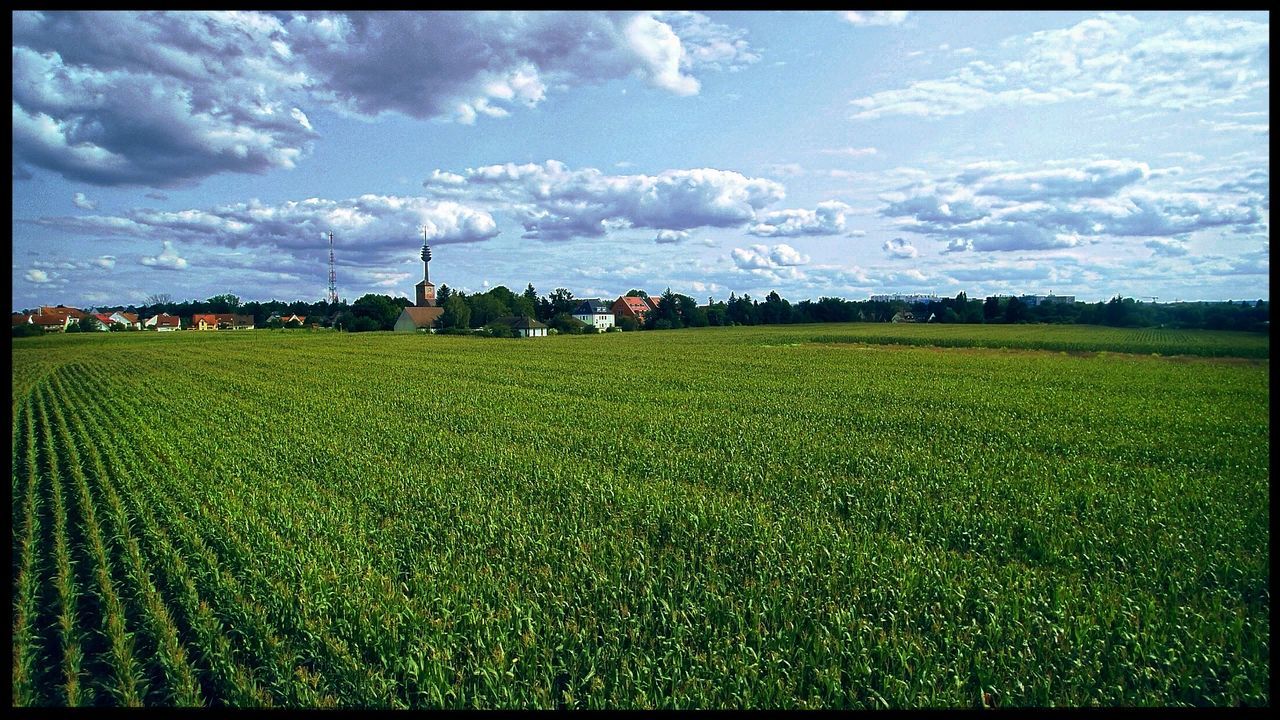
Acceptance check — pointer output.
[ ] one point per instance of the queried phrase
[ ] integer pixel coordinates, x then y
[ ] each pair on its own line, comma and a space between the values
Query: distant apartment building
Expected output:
910, 299
1034, 300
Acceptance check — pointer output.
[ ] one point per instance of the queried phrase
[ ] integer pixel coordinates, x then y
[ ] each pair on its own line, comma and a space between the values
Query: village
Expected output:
499, 312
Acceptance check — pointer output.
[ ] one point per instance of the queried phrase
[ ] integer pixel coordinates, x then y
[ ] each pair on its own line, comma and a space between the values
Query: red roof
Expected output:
20, 319
104, 319
166, 320
49, 320
131, 317
633, 306
63, 311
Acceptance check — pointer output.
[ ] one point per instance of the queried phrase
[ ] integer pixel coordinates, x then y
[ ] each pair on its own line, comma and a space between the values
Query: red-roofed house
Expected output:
75, 313
635, 308
103, 321
127, 319
162, 322
52, 323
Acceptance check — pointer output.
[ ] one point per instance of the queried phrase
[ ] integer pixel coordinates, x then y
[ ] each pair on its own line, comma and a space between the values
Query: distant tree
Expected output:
88, 324
690, 314
381, 309
628, 323
1015, 311
159, 299
225, 303
443, 294
775, 310
562, 301
950, 316
667, 315
715, 314
637, 293
991, 309
26, 330
521, 305
293, 324
363, 324
457, 314
531, 295
486, 308
567, 324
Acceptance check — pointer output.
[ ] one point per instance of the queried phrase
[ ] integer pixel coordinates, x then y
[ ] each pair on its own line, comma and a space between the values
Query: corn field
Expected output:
779, 517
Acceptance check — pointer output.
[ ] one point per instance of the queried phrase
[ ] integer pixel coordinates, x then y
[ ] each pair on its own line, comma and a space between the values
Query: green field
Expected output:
790, 516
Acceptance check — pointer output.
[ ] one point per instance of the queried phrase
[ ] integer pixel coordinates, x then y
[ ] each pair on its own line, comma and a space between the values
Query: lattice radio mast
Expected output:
333, 276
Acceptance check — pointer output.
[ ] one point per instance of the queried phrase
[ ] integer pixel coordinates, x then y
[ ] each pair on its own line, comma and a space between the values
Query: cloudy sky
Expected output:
823, 153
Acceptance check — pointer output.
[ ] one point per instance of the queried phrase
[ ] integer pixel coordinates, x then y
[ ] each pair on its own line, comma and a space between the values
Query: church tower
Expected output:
426, 291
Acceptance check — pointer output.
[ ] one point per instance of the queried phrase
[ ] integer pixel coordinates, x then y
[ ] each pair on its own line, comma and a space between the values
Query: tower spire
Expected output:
333, 276
426, 257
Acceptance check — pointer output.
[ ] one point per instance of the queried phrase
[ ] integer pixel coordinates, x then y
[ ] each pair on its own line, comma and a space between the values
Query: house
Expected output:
74, 313
413, 319
635, 308
103, 321
285, 319
51, 323
528, 327
163, 322
203, 321
126, 319
595, 312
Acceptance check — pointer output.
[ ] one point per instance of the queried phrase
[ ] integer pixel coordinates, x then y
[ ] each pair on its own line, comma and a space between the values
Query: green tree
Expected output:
567, 324
1015, 311
225, 303
562, 302
381, 309
991, 309
457, 314
628, 323
486, 308
637, 293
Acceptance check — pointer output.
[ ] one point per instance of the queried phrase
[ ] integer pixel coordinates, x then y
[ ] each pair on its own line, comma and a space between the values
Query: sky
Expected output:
812, 153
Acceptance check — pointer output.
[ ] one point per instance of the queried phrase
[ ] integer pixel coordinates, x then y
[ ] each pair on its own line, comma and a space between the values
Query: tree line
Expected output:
464, 312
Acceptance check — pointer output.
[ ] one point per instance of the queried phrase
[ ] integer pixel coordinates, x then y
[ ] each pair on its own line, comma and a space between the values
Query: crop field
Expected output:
812, 516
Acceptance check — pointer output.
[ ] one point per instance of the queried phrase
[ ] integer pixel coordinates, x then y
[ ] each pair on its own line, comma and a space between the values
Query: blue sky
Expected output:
815, 153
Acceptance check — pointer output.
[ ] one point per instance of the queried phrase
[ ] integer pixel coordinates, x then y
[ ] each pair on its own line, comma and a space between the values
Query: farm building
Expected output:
413, 319
595, 312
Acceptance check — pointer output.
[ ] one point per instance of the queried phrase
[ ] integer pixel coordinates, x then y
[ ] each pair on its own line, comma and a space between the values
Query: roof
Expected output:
19, 319
592, 305
76, 313
49, 320
165, 319
131, 317
636, 305
208, 318
422, 316
526, 323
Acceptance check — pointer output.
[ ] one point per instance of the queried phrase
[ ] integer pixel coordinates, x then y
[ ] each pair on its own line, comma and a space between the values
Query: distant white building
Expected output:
595, 312
911, 299
1034, 300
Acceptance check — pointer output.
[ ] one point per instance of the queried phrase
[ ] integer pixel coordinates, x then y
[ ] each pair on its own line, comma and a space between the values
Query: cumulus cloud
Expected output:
37, 276
370, 230
900, 248
827, 219
554, 202
1203, 61
1167, 247
192, 94
869, 18
671, 237
983, 210
83, 202
762, 257
853, 152
105, 261
168, 259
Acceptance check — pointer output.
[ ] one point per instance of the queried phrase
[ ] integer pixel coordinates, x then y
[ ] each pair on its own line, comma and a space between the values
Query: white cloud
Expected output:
105, 261
83, 202
215, 92
1204, 61
1064, 207
868, 18
669, 237
762, 257
167, 259
827, 219
852, 152
37, 276
554, 202
900, 248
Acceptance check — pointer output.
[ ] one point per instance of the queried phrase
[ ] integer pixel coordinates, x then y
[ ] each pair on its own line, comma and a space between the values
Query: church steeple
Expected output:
426, 292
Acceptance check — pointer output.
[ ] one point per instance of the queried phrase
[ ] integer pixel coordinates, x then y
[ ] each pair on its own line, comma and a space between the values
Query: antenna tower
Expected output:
333, 276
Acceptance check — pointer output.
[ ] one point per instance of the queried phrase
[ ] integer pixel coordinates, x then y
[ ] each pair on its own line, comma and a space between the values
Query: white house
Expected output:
126, 319
163, 322
528, 327
595, 312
